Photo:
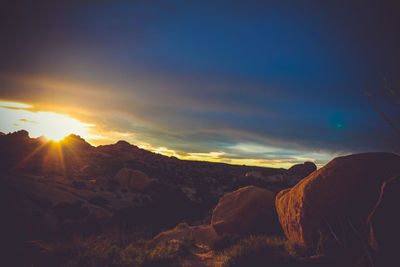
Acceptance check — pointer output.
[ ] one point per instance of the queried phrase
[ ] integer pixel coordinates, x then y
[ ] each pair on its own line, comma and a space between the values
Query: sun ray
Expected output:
33, 153
60, 158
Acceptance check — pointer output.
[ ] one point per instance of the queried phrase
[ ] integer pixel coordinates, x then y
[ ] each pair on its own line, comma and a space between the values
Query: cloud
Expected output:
198, 124
28, 121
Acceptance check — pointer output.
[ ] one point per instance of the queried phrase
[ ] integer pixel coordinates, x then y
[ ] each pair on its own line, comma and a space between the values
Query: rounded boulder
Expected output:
330, 206
247, 210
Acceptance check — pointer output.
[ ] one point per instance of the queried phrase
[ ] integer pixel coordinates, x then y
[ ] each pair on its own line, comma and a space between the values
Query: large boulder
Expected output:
133, 179
330, 206
247, 210
384, 222
200, 234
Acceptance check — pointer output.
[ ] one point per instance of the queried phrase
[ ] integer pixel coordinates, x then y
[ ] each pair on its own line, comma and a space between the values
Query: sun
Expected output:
53, 126
56, 126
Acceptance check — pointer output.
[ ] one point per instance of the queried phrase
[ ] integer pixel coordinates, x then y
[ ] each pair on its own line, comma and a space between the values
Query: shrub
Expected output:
224, 242
106, 251
170, 253
260, 251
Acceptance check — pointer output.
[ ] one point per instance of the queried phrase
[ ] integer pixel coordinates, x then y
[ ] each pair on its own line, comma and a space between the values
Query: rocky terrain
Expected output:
191, 213
55, 190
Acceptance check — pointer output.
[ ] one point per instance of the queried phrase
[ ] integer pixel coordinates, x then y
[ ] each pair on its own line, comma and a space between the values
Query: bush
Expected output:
224, 242
106, 251
260, 251
170, 253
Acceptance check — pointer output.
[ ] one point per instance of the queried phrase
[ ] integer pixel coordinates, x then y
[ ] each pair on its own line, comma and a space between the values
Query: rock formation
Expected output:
247, 210
331, 205
297, 172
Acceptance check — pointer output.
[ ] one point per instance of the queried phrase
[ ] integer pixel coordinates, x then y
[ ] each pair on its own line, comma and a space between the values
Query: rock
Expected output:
328, 207
255, 174
277, 178
258, 175
201, 234
75, 142
302, 169
134, 179
297, 172
191, 193
384, 221
247, 210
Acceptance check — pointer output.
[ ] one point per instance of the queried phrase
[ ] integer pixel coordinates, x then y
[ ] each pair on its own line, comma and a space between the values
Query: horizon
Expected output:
16, 116
161, 151
262, 84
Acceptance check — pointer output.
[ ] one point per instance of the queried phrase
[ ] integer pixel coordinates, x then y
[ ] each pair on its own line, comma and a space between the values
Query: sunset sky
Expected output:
268, 83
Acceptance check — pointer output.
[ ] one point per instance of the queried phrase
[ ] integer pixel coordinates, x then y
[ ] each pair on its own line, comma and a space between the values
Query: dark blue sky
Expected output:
211, 76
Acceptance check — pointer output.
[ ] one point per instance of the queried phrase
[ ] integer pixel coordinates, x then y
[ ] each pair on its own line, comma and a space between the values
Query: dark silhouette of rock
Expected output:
297, 172
247, 210
75, 142
328, 209
303, 169
20, 135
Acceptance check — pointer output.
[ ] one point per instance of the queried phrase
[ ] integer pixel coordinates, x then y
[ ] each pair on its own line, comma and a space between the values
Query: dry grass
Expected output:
260, 251
106, 251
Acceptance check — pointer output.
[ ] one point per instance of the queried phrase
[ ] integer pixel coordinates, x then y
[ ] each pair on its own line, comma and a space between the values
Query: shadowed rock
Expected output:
384, 222
247, 210
299, 171
302, 169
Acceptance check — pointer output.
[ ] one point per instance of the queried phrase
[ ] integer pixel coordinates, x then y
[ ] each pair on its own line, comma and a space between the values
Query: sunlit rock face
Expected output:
247, 210
323, 209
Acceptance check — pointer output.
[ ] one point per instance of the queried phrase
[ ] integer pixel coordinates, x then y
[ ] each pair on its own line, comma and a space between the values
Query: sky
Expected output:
268, 83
